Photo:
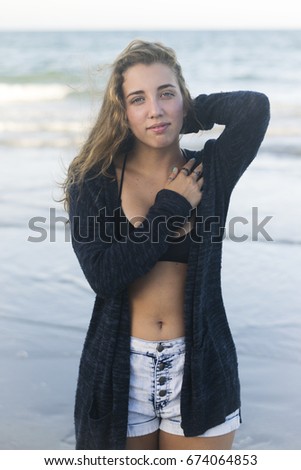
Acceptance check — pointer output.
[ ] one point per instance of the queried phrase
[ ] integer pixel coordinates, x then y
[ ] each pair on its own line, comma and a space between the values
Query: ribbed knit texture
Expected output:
210, 388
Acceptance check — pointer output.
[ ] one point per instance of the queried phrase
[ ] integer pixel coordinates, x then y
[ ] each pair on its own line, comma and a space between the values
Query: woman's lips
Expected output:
159, 128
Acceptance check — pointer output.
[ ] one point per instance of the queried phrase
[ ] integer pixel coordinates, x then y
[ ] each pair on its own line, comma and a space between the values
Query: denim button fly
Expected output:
162, 380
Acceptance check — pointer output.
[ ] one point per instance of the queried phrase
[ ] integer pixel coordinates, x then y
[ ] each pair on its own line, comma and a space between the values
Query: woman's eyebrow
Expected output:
138, 92
167, 85
161, 87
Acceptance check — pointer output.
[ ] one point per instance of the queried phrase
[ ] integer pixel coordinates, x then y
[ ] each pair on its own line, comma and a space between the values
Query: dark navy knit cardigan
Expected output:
210, 389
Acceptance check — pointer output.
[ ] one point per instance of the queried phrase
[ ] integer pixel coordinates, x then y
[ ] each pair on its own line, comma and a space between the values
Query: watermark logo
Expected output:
91, 228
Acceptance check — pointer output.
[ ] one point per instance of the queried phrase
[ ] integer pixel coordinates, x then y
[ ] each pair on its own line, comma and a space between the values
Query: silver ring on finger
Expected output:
186, 171
198, 173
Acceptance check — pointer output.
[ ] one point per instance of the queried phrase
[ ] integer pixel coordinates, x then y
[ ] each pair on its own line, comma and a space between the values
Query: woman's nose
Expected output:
155, 108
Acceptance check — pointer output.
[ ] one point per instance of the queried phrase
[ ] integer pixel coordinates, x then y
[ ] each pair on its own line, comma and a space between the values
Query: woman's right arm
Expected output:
245, 115
111, 265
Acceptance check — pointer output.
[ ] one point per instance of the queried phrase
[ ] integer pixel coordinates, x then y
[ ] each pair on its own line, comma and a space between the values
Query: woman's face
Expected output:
154, 105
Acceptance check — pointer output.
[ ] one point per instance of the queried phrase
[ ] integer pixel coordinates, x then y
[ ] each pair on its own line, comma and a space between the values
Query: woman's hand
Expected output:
186, 182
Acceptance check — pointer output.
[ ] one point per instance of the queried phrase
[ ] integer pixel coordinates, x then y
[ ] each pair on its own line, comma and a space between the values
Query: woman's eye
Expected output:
137, 100
168, 94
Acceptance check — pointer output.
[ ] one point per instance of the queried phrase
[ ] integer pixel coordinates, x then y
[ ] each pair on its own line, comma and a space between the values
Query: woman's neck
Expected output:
149, 160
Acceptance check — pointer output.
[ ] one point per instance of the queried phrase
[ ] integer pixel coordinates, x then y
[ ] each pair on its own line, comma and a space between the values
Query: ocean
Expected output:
51, 86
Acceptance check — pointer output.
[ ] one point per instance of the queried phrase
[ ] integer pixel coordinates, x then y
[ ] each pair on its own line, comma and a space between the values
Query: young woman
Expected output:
159, 366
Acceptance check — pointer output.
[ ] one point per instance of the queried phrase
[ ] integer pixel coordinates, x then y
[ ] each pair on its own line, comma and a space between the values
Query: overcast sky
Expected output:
149, 14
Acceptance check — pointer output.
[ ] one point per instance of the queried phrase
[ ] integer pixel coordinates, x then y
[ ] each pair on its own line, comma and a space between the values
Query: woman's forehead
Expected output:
148, 75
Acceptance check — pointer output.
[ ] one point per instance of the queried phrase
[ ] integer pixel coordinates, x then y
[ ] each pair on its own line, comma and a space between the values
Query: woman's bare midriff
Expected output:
157, 302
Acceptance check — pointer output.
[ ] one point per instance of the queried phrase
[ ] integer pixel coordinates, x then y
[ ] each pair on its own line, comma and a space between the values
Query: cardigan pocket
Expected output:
214, 369
100, 431
100, 424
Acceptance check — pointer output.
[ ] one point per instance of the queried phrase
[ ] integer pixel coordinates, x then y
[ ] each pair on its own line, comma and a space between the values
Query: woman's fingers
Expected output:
187, 181
186, 169
200, 183
173, 174
197, 171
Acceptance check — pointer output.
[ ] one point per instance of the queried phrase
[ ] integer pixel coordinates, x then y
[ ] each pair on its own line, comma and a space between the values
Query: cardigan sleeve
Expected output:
110, 265
245, 115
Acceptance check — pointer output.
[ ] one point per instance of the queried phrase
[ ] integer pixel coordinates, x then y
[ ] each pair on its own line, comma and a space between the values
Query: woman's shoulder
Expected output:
92, 187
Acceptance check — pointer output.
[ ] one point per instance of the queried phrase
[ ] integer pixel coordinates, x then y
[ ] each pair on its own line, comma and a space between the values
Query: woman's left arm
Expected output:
245, 115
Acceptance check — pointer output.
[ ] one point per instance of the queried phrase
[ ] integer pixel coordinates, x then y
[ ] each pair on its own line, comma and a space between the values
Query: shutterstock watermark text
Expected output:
115, 227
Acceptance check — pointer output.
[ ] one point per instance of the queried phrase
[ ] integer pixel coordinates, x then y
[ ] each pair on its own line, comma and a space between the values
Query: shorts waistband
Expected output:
171, 346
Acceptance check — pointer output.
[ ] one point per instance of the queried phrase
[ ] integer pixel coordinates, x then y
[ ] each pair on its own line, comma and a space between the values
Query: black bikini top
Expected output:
178, 247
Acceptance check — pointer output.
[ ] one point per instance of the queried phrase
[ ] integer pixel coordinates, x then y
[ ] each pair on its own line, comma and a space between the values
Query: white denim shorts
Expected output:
155, 388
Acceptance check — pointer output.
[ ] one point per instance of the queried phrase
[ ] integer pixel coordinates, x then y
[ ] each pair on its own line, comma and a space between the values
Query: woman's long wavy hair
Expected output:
110, 135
